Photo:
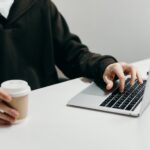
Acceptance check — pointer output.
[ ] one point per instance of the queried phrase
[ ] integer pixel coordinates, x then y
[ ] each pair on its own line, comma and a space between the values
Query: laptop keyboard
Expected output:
129, 99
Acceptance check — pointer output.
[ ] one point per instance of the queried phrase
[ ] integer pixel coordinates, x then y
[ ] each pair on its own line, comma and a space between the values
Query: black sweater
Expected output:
35, 38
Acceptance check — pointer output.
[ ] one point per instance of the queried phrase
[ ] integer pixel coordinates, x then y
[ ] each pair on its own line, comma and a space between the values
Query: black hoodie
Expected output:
35, 38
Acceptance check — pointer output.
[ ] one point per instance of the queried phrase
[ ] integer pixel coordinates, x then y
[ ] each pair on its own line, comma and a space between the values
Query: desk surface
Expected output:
52, 125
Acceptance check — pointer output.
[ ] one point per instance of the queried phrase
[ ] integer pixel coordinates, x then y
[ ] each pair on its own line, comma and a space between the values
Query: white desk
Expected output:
54, 126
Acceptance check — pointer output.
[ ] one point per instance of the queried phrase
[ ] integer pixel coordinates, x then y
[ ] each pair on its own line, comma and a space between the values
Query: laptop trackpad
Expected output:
93, 89
91, 97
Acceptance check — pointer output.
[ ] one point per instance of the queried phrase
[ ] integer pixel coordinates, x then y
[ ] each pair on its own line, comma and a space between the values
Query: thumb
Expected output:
109, 83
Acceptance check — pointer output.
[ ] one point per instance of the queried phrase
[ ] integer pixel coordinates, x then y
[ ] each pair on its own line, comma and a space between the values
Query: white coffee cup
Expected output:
19, 91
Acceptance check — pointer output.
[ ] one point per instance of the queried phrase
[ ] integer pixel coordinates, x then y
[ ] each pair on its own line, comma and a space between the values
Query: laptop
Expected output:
132, 102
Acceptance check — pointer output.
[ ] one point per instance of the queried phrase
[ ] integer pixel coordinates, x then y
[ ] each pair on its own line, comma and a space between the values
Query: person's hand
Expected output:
8, 115
120, 70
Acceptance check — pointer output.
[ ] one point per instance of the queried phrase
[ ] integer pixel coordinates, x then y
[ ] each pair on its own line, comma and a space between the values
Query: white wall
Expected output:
117, 27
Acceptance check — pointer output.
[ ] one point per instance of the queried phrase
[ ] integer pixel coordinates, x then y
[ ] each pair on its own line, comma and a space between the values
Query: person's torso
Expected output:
26, 45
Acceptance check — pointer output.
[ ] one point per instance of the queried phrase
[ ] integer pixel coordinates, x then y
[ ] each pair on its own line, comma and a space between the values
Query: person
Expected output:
34, 39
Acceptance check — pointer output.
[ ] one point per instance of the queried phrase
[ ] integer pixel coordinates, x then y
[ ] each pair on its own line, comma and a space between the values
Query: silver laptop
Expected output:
133, 101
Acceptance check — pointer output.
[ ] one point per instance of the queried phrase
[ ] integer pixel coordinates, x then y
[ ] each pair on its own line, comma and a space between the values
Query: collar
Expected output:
18, 8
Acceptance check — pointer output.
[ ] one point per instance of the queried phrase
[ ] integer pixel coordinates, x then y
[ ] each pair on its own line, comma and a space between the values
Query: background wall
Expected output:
117, 27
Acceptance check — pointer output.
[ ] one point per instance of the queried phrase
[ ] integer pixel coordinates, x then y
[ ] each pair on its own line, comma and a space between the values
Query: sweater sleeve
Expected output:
71, 56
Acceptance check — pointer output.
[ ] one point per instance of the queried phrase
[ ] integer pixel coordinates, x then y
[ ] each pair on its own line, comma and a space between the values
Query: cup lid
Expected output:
16, 88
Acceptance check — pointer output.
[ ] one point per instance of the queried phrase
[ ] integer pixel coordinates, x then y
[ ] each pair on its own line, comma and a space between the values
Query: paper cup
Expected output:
19, 91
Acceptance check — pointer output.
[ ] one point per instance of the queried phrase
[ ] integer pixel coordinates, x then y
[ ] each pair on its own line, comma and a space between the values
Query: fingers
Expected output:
133, 75
8, 110
3, 122
120, 69
7, 114
115, 69
120, 73
109, 83
5, 96
139, 78
7, 118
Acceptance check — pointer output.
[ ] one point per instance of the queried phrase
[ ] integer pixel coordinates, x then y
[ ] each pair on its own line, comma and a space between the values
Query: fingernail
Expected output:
108, 88
9, 99
141, 82
131, 83
16, 114
13, 120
